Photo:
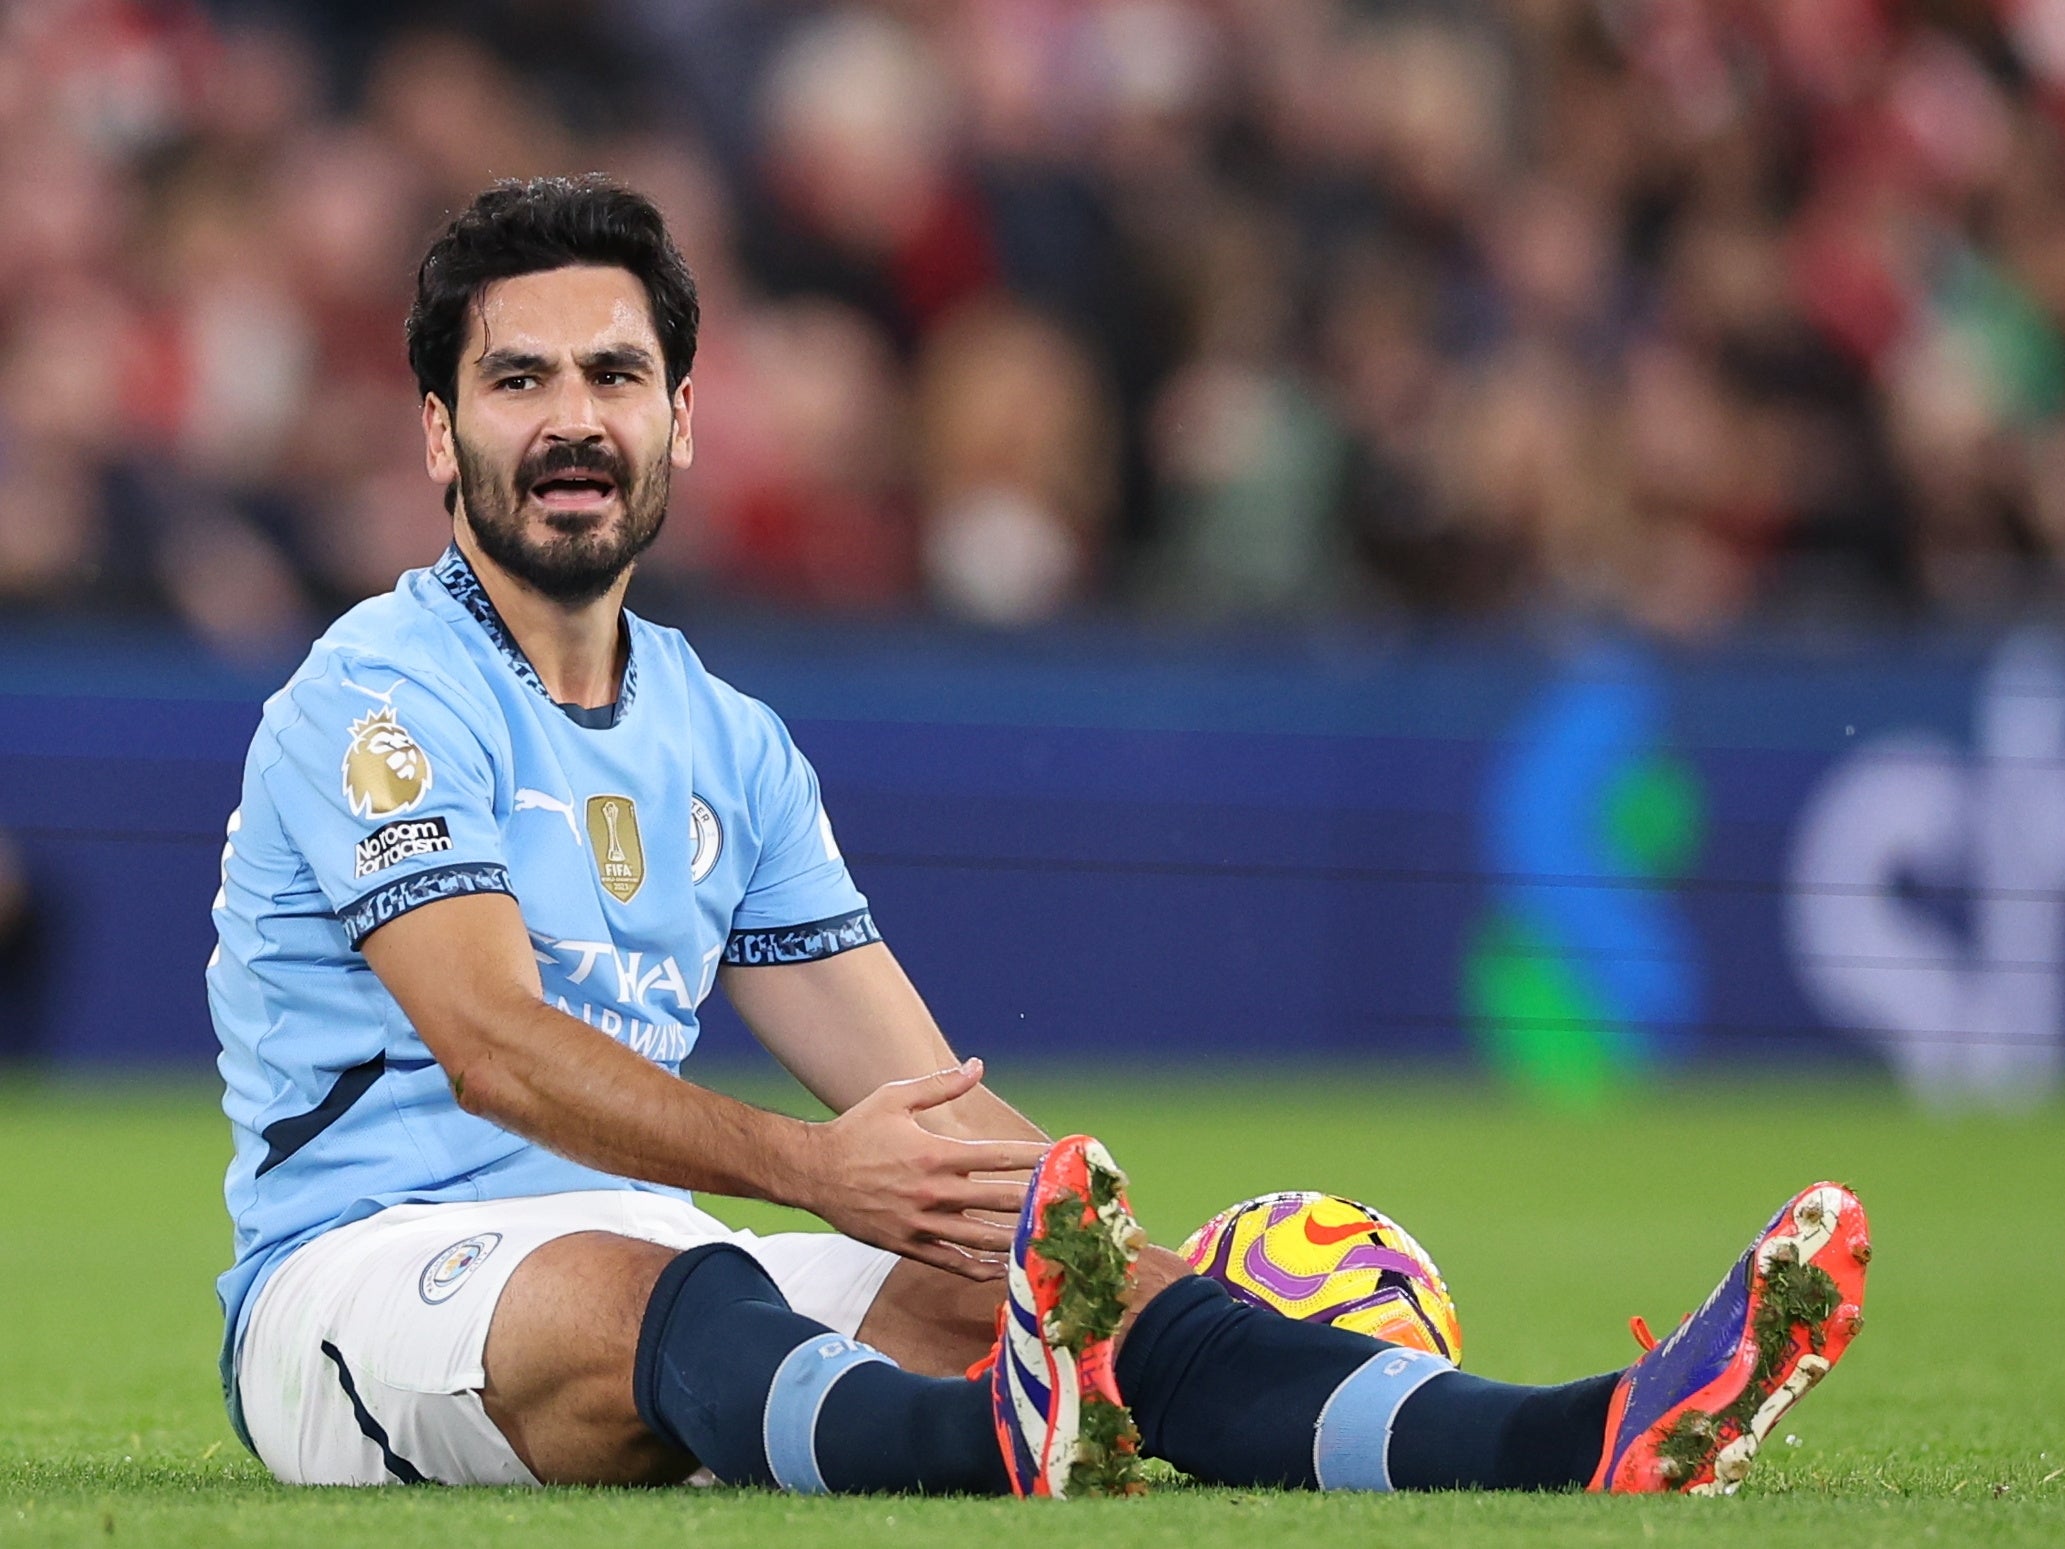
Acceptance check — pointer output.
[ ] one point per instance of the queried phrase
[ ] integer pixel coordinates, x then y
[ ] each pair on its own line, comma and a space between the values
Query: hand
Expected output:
880, 1176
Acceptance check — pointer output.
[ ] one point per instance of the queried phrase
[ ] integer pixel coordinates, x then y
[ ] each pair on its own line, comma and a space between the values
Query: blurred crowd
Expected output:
1675, 313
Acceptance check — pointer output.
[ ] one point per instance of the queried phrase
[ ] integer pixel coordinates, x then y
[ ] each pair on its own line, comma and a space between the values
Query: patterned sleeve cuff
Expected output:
801, 943
398, 897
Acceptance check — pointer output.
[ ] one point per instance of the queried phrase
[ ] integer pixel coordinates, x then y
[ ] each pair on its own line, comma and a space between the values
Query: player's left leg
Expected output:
1236, 1395
1240, 1395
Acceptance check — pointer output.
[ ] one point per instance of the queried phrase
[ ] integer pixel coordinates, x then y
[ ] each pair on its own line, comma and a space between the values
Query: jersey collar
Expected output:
456, 576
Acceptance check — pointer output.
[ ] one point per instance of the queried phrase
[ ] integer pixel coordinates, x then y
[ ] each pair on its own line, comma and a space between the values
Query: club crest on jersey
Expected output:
706, 839
385, 772
443, 1275
619, 852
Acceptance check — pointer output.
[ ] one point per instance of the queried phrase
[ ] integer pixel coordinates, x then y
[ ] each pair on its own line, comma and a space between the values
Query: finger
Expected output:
968, 1232
997, 1156
942, 1086
1005, 1199
969, 1266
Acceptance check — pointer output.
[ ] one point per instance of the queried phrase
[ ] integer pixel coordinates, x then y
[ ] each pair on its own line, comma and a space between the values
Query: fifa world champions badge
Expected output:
619, 848
385, 772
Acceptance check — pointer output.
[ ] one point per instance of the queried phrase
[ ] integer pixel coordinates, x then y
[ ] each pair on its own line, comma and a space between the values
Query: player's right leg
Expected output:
513, 1342
496, 1342
363, 1359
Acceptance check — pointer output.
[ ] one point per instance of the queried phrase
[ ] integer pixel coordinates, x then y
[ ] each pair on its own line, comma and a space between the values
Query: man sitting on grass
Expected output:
499, 838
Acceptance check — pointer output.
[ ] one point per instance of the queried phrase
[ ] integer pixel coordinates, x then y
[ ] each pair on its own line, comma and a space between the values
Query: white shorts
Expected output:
362, 1360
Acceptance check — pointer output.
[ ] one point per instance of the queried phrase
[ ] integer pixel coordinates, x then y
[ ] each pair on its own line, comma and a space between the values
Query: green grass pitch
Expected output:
1946, 1423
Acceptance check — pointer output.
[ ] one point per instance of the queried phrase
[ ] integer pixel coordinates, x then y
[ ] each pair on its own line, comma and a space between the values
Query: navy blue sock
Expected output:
760, 1394
1229, 1393
1236, 1395
885, 1430
1464, 1431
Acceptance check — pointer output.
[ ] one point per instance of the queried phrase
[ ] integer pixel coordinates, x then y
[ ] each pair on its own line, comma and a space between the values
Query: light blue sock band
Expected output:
789, 1428
1351, 1447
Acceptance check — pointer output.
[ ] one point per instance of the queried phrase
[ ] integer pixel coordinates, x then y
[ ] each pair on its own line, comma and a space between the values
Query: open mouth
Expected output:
573, 491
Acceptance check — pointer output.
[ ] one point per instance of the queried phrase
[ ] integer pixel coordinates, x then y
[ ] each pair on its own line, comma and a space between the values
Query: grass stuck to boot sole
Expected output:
1093, 1243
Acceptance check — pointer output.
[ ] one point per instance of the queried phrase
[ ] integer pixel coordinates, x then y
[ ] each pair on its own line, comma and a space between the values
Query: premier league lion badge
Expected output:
384, 771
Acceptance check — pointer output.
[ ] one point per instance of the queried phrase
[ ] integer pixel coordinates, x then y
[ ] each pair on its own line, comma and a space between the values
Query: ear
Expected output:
440, 447
681, 448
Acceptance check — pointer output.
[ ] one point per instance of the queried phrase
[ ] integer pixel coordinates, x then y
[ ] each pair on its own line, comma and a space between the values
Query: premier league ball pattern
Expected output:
1324, 1259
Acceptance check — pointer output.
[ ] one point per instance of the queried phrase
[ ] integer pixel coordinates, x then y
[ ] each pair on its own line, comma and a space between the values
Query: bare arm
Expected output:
844, 1025
462, 971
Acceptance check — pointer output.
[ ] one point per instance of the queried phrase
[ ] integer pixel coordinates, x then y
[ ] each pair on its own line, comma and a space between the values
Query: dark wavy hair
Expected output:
546, 223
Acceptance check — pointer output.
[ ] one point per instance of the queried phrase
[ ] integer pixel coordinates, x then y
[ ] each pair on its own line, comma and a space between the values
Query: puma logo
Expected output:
384, 695
530, 800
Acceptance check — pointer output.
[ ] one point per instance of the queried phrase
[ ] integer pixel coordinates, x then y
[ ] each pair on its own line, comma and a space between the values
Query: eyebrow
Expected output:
499, 362
616, 357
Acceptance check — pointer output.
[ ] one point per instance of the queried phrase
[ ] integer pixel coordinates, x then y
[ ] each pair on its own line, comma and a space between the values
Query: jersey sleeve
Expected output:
800, 904
387, 792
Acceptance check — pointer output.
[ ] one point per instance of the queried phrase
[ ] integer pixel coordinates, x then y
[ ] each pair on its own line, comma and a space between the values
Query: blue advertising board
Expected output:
1574, 865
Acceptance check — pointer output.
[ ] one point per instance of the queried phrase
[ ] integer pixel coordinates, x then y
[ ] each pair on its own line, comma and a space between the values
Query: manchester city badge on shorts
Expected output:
443, 1275
619, 852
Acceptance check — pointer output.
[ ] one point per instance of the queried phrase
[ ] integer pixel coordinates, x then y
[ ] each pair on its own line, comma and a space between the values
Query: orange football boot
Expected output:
1692, 1412
1063, 1428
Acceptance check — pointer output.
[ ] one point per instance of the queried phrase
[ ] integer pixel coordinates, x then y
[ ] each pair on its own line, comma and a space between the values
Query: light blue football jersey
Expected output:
416, 756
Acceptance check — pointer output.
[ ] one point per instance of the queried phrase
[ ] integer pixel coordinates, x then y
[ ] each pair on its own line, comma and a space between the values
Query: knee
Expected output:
712, 1275
697, 1295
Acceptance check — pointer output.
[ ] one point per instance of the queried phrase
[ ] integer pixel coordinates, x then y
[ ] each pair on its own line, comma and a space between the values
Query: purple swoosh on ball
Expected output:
1369, 1256
1285, 1207
1296, 1288
1292, 1288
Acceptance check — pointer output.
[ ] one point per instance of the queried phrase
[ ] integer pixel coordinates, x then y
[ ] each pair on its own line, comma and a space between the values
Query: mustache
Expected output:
566, 459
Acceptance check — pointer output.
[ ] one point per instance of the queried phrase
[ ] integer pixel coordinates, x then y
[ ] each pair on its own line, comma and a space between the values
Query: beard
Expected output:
581, 559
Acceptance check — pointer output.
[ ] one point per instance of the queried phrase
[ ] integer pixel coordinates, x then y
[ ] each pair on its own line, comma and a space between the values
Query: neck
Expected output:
577, 651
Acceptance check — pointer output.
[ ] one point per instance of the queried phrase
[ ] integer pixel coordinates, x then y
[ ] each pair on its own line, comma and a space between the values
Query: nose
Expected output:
574, 415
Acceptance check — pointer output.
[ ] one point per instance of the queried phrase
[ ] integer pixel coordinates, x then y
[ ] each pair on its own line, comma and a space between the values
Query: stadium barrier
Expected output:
1574, 865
